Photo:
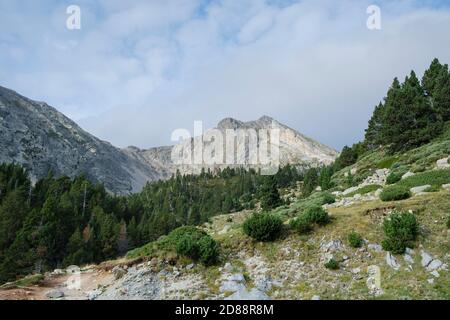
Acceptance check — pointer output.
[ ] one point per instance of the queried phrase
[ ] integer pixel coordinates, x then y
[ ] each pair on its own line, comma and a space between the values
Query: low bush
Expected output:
394, 193
400, 229
328, 198
187, 241
208, 250
332, 264
263, 226
301, 224
355, 240
317, 215
393, 177
448, 222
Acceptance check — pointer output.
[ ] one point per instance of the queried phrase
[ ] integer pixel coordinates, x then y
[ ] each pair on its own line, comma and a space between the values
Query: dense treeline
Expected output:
63, 221
412, 114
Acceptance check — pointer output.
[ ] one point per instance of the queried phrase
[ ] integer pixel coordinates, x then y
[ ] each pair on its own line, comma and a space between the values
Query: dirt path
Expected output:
89, 280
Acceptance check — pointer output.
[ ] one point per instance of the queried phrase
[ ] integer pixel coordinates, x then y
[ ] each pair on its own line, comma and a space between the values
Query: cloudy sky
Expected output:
138, 69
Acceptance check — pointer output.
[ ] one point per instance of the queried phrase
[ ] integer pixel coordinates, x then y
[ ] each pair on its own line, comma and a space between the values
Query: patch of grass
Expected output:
433, 178
28, 281
301, 224
395, 193
387, 163
332, 264
365, 190
435, 188
354, 240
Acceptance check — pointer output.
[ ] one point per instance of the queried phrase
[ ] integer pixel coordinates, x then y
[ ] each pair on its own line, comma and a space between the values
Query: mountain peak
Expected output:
229, 123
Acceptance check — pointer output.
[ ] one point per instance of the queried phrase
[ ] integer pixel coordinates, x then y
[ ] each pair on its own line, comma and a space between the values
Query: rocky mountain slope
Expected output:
39, 137
294, 148
42, 139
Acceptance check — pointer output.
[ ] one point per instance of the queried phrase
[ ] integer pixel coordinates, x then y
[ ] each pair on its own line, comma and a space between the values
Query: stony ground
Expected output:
290, 268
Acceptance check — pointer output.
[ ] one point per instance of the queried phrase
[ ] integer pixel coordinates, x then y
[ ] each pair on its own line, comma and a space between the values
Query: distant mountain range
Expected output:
40, 138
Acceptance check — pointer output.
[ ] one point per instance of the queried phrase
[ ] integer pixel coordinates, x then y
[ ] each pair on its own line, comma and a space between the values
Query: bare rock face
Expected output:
42, 140
294, 148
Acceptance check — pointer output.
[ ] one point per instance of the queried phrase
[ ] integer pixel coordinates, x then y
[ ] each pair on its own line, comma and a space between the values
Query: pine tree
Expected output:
373, 137
270, 195
436, 83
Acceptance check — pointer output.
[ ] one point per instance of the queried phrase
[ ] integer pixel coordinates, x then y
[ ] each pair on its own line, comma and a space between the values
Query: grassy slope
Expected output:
282, 257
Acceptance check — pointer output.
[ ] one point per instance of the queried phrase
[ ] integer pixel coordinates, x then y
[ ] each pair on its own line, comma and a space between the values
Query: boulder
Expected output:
434, 265
392, 261
375, 247
446, 186
426, 258
190, 266
119, 272
349, 190
407, 175
55, 294
420, 189
443, 163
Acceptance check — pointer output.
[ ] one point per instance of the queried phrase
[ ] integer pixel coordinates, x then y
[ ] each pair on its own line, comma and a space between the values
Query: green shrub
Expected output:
301, 224
332, 264
355, 240
400, 229
448, 222
393, 177
433, 178
328, 198
394, 193
208, 250
194, 243
317, 215
187, 246
263, 226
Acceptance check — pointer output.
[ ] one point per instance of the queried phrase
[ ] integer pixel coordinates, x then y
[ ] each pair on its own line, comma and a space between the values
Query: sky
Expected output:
137, 70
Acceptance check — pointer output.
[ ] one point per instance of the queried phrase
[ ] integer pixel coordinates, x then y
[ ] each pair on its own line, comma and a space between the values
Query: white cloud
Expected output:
138, 70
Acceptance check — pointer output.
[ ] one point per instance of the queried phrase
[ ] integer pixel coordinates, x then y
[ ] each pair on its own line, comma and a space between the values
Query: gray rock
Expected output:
349, 190
244, 294
55, 294
430, 281
420, 189
392, 261
435, 274
118, 272
407, 175
228, 267
190, 266
443, 163
334, 245
426, 258
408, 258
446, 186
409, 250
94, 294
315, 297
375, 247
434, 265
